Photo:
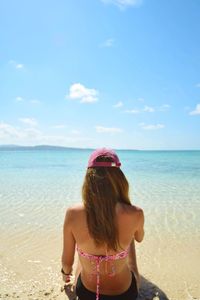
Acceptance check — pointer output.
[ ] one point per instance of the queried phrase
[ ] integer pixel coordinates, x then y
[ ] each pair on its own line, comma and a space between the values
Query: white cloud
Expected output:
118, 104
196, 111
29, 121
7, 130
32, 101
151, 126
108, 43
122, 4
137, 111
132, 111
13, 133
149, 109
102, 129
32, 133
19, 66
19, 99
85, 95
31, 136
16, 65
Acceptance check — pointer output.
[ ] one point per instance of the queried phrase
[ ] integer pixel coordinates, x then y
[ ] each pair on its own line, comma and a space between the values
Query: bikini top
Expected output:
97, 259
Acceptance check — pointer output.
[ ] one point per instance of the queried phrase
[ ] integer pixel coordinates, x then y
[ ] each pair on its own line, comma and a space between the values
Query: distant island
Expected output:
12, 147
38, 147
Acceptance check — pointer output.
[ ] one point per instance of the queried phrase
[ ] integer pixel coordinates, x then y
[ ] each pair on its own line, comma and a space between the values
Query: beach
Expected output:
37, 186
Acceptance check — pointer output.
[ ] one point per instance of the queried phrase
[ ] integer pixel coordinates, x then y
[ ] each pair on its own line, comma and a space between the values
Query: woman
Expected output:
102, 231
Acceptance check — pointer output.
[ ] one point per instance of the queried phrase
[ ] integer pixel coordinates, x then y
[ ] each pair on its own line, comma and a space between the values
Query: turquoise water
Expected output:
37, 185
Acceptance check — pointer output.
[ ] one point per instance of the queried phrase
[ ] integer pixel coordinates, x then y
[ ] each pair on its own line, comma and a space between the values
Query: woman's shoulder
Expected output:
73, 211
131, 213
75, 208
130, 209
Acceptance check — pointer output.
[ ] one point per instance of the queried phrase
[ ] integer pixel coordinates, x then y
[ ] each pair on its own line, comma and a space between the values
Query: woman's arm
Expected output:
77, 270
139, 234
132, 263
68, 243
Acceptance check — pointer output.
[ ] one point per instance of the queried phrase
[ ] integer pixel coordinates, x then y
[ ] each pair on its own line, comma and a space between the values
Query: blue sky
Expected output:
115, 73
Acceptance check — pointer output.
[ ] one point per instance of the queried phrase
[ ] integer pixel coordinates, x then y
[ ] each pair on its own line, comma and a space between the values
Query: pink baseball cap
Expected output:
103, 152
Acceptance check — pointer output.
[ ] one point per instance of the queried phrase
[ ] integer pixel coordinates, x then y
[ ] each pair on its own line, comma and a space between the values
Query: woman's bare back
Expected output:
129, 220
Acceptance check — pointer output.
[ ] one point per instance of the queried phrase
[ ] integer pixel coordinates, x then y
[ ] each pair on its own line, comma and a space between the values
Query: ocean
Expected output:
34, 182
37, 185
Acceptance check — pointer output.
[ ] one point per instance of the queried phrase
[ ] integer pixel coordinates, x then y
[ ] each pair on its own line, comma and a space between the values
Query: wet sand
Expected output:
30, 266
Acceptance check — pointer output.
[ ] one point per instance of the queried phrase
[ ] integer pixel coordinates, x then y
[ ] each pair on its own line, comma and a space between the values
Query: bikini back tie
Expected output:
97, 259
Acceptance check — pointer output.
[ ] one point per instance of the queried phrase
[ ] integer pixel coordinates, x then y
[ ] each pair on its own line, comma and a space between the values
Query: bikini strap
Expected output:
98, 260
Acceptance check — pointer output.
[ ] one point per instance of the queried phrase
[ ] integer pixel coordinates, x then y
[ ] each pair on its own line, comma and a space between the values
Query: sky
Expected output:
123, 74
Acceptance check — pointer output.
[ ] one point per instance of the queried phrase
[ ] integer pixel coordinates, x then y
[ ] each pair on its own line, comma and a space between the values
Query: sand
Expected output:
30, 266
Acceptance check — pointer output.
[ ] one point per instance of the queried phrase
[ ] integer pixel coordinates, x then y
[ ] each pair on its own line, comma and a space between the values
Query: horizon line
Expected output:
12, 146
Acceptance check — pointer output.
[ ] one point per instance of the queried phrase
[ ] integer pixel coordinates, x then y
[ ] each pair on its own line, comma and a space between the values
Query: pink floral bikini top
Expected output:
96, 261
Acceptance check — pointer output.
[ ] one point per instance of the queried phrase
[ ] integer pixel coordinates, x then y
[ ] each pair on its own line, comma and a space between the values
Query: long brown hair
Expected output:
103, 187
